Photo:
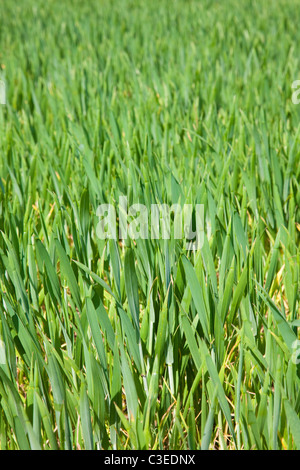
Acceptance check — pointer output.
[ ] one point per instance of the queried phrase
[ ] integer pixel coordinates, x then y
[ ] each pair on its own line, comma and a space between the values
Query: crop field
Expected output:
148, 342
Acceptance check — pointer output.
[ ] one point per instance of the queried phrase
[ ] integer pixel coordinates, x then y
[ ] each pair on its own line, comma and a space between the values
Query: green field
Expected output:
140, 343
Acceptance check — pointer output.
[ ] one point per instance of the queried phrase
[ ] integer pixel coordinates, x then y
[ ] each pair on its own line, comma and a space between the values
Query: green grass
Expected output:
143, 345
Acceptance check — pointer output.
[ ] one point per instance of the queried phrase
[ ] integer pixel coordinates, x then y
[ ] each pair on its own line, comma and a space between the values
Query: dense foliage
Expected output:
141, 344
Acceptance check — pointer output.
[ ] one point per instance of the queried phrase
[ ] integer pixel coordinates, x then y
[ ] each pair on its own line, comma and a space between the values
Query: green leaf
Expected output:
131, 286
85, 416
68, 273
196, 294
293, 422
